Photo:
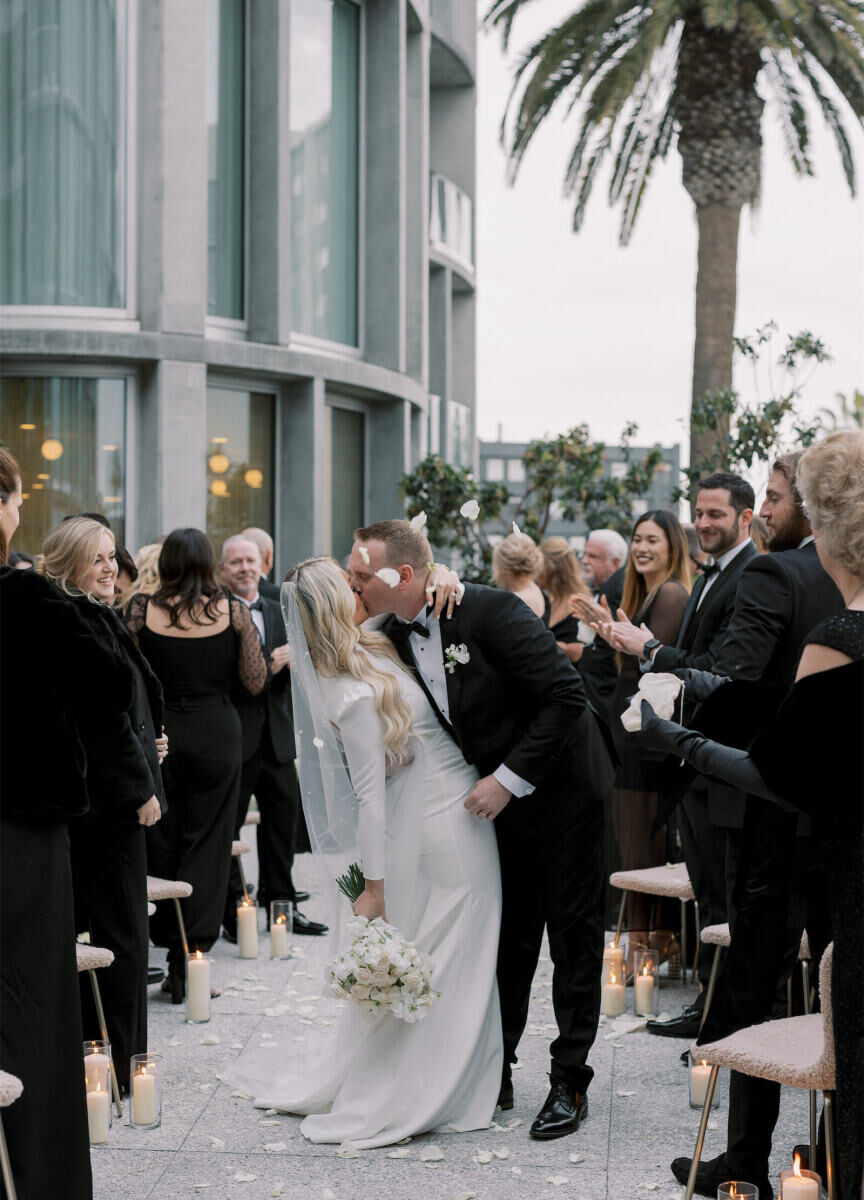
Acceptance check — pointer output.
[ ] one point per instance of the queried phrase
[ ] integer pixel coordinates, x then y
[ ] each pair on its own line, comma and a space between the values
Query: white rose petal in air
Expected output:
418, 521
364, 554
517, 530
317, 743
389, 576
470, 509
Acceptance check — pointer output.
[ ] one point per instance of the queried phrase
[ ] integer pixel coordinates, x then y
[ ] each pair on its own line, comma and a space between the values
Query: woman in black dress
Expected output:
109, 867
516, 563
202, 644
560, 578
656, 589
811, 758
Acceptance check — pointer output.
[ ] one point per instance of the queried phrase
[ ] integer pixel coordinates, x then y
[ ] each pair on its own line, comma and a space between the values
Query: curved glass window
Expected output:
324, 102
240, 462
62, 102
226, 108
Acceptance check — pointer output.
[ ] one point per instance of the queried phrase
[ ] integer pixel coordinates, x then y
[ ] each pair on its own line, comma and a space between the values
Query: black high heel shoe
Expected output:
175, 980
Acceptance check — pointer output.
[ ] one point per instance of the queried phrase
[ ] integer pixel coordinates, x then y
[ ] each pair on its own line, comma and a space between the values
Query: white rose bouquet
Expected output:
380, 970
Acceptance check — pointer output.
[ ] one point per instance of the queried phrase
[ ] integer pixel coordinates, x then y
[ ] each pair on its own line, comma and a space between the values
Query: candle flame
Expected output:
645, 971
796, 1165
703, 1062
280, 920
734, 1191
613, 978
198, 954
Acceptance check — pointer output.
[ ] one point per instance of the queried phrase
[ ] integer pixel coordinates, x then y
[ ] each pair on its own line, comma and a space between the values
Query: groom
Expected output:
515, 706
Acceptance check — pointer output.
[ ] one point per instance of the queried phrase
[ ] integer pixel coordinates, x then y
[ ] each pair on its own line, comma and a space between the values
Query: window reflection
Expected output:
348, 478
69, 438
240, 457
225, 154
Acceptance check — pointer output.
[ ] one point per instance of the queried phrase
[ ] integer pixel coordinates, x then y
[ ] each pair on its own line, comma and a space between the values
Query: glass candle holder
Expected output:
613, 993
798, 1184
700, 1074
247, 929
97, 1084
197, 988
281, 928
614, 956
737, 1191
646, 964
145, 1092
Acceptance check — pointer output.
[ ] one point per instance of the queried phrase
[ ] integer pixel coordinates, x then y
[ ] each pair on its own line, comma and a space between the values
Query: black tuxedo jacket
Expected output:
703, 629
269, 715
268, 590
597, 665
518, 701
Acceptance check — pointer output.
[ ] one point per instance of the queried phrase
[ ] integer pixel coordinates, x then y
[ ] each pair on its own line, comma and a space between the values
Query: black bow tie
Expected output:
707, 572
400, 631
257, 606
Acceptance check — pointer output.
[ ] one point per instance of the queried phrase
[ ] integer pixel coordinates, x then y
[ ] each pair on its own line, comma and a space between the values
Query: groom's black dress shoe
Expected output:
303, 925
685, 1025
505, 1096
562, 1112
710, 1175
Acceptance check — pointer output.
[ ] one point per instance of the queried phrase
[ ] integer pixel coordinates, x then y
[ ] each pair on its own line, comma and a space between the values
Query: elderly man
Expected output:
267, 726
603, 562
264, 542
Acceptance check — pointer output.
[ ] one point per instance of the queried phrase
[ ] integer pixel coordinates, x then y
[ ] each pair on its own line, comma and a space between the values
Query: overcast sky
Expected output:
571, 327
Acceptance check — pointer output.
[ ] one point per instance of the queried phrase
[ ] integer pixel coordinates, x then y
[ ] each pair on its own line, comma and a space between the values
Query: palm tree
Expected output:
690, 73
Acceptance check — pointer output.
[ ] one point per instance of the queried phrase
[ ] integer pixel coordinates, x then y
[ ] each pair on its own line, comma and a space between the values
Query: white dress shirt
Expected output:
722, 563
429, 656
256, 614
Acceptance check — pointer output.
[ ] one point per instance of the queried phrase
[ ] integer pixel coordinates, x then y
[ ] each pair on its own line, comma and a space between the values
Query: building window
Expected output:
324, 105
240, 444
515, 470
226, 122
460, 451
495, 470
69, 436
347, 478
62, 194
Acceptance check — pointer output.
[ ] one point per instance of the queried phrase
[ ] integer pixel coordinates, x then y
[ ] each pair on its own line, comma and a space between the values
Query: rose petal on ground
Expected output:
274, 1147
502, 1153
431, 1154
556, 1180
622, 1092
347, 1150
199, 1186
399, 1154
176, 1042
466, 1196
482, 1157
210, 1040
277, 1189
515, 1170
650, 1187
268, 1122
432, 1166
217, 1143
241, 1096
514, 1123
404, 1141
271, 1112
244, 1177
326, 1194
577, 1158
712, 1125
233, 1046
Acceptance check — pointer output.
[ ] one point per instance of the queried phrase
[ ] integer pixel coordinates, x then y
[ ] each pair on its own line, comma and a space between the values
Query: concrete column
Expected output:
303, 475
172, 447
172, 166
389, 433
384, 171
440, 344
417, 209
269, 222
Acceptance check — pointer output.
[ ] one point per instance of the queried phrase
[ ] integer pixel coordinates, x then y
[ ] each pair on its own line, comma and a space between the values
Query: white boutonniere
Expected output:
456, 656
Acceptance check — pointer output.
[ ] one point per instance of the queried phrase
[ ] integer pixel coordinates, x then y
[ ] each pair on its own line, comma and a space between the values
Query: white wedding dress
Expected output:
383, 1079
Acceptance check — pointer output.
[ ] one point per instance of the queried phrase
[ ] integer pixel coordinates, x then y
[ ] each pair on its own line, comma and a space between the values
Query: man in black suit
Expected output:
517, 710
264, 542
603, 562
781, 596
723, 512
267, 728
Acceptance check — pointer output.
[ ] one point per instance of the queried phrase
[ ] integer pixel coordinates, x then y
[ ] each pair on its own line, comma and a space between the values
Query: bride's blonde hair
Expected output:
336, 646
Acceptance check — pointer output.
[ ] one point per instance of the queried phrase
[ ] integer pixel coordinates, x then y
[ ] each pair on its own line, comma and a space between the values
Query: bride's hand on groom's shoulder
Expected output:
370, 902
444, 589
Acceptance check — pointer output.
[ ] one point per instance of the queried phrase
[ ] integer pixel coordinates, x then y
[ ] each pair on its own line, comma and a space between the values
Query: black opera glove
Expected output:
731, 766
699, 685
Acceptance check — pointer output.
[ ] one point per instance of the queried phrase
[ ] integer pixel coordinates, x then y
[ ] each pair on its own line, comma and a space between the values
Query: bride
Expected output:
383, 783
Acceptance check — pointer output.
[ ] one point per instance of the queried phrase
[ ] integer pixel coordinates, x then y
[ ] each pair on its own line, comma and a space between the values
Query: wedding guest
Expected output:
147, 566
269, 751
109, 868
127, 573
603, 562
561, 578
823, 709
516, 563
656, 590
202, 645
21, 561
705, 812
760, 533
264, 542
40, 1029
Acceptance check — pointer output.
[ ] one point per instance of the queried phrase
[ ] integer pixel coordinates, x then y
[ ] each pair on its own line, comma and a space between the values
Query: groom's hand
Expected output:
487, 798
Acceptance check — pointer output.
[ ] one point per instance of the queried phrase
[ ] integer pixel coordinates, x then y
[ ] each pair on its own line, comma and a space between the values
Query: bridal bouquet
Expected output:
380, 970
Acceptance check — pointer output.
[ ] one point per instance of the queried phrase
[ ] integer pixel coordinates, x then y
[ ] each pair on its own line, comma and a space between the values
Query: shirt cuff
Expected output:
645, 665
512, 782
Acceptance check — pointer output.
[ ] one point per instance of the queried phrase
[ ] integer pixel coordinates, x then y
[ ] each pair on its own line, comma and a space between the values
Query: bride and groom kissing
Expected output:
477, 777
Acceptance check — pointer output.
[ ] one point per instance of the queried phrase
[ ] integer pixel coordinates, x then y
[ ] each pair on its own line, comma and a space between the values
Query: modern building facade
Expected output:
501, 462
236, 260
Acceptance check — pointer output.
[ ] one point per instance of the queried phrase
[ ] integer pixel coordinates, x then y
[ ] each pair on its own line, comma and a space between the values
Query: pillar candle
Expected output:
613, 953
143, 1098
700, 1073
98, 1115
96, 1071
247, 930
644, 995
805, 1186
613, 999
198, 988
279, 938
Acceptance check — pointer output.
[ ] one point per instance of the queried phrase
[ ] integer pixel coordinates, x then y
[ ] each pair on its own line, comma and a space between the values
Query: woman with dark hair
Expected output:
202, 644
109, 866
656, 587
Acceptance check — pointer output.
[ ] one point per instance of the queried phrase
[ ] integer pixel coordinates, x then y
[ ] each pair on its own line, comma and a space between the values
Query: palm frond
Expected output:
651, 148
582, 182
833, 121
786, 102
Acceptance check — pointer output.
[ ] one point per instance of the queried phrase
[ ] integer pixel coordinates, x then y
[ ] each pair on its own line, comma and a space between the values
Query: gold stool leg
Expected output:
100, 1015
6, 1167
700, 1140
182, 927
684, 963
712, 983
830, 1150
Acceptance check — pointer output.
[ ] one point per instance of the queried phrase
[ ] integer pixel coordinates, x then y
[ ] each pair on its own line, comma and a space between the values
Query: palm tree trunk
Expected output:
716, 290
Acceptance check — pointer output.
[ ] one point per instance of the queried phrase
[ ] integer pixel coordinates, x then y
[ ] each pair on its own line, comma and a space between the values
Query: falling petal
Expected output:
347, 1150
364, 554
556, 1180
274, 1147
418, 521
399, 1154
517, 530
431, 1154
317, 743
389, 576
470, 509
